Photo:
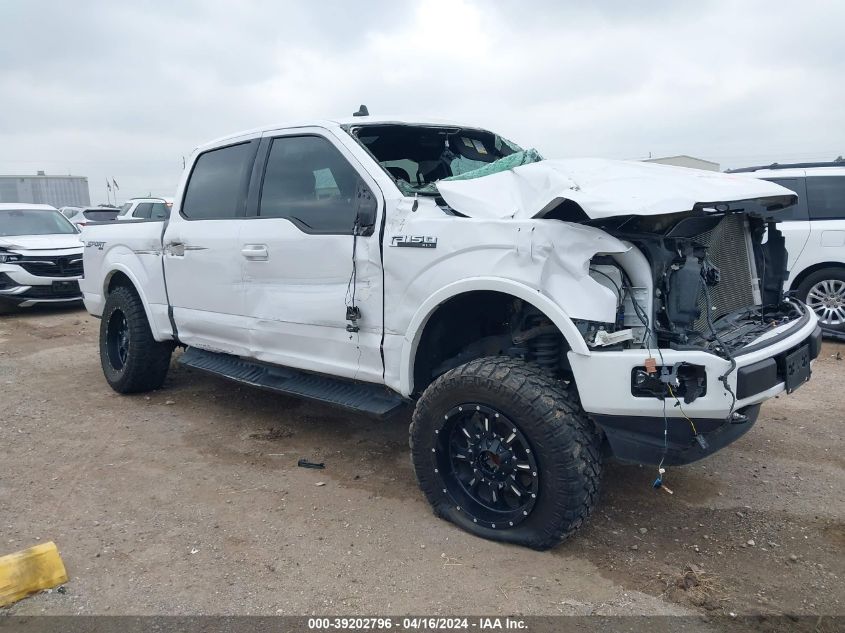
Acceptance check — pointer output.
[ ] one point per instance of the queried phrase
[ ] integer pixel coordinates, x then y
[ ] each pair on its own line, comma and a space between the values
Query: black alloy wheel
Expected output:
487, 465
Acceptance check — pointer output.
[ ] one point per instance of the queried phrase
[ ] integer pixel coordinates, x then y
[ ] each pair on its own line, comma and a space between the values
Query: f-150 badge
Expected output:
415, 241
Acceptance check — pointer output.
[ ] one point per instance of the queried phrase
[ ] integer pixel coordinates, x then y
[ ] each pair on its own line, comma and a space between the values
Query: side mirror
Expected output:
366, 209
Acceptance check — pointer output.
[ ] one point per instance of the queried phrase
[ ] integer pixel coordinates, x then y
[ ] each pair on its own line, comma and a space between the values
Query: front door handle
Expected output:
255, 252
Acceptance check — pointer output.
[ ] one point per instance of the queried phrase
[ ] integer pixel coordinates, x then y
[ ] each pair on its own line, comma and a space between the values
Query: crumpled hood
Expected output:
40, 242
603, 188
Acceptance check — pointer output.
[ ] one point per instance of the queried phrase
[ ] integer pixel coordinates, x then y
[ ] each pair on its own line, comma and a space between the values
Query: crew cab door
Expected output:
202, 257
302, 264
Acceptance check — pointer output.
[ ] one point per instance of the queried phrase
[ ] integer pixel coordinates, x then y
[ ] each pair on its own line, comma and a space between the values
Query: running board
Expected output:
356, 396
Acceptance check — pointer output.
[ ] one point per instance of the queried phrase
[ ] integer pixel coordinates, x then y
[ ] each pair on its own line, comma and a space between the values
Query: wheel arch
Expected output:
502, 288
122, 276
809, 270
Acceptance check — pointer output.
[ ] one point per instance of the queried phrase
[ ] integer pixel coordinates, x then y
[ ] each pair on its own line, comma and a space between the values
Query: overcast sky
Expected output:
124, 89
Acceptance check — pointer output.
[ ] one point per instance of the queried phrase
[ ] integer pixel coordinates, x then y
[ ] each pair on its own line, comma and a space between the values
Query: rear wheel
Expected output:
132, 360
824, 292
502, 450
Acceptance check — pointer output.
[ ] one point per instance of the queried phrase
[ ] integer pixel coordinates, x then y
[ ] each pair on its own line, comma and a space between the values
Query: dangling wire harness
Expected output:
353, 312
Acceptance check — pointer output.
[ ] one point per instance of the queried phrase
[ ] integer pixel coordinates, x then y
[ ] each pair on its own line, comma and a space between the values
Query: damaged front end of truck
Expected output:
661, 287
711, 274
700, 312
717, 276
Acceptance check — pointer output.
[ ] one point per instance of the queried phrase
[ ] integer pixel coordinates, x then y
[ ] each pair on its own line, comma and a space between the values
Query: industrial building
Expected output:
58, 191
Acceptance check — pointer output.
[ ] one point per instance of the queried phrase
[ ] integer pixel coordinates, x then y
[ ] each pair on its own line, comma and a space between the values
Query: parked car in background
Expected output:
40, 257
146, 209
815, 235
93, 214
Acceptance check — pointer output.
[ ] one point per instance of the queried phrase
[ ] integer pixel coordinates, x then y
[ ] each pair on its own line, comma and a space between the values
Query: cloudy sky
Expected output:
124, 89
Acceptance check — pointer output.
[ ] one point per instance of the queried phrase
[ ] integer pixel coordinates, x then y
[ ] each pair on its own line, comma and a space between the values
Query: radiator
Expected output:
729, 249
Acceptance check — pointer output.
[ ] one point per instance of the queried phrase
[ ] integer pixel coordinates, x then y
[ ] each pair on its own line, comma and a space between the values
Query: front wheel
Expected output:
132, 360
502, 450
824, 293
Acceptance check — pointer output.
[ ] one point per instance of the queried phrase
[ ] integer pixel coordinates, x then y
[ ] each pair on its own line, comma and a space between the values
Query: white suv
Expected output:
40, 257
146, 209
815, 235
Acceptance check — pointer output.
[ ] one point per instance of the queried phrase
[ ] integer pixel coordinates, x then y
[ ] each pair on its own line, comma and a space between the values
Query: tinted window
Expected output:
309, 182
160, 211
218, 181
799, 211
142, 210
826, 197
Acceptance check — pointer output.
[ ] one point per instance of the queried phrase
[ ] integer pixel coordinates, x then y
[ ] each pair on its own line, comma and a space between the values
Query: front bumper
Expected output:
22, 290
634, 425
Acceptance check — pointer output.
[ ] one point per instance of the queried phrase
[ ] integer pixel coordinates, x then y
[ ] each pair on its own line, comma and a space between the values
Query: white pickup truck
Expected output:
540, 315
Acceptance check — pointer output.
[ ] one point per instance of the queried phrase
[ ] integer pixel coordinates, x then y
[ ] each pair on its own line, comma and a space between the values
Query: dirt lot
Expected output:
189, 500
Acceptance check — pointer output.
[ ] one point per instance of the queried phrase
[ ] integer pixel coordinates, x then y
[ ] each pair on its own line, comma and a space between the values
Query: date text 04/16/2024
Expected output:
416, 623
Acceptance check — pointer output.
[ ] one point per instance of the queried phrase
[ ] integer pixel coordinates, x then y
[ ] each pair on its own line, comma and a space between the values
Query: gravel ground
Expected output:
188, 500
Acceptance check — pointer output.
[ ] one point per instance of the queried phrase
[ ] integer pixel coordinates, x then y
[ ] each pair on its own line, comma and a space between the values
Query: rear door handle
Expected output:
255, 252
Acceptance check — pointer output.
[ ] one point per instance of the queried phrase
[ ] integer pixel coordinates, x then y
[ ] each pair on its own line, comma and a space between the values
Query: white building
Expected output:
685, 161
58, 191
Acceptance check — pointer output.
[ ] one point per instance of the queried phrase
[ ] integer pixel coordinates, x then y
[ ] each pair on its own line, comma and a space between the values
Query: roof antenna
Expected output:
362, 111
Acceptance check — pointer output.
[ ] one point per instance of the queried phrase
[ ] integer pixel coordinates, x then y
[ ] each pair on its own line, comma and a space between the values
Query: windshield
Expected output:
126, 206
417, 156
34, 222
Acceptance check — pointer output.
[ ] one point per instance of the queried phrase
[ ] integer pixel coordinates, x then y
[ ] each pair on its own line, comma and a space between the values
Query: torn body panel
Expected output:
544, 263
602, 189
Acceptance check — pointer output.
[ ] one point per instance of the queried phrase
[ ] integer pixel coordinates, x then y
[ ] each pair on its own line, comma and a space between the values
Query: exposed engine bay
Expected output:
717, 287
718, 280
705, 280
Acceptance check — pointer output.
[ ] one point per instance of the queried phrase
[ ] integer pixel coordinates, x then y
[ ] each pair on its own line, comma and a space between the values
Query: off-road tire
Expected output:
146, 360
564, 442
833, 275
